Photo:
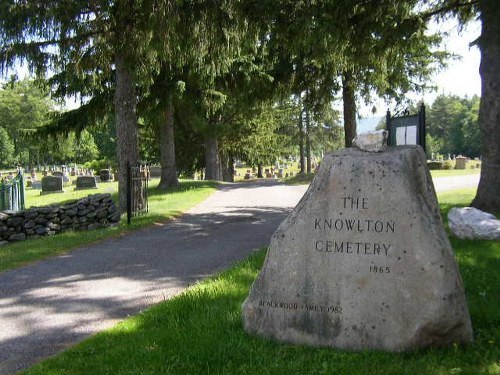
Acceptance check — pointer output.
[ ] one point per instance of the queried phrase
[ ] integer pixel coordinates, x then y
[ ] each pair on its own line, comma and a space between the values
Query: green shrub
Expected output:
97, 165
448, 164
435, 165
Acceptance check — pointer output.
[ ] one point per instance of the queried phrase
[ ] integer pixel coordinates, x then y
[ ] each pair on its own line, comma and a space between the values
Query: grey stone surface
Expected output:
373, 141
86, 182
105, 175
471, 223
52, 184
76, 215
363, 261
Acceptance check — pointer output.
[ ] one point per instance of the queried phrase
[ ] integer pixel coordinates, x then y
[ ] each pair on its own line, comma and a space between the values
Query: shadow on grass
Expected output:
300, 179
151, 264
201, 331
184, 186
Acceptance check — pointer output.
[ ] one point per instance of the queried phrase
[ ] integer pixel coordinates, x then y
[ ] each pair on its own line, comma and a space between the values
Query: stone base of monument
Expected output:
363, 261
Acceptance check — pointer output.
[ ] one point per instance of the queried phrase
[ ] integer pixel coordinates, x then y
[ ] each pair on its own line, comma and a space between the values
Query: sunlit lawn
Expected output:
201, 331
455, 172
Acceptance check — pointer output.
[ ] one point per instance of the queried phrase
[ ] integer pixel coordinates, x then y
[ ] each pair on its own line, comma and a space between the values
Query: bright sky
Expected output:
461, 77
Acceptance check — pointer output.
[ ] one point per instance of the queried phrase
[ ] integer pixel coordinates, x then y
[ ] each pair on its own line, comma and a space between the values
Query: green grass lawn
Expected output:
33, 198
454, 172
201, 332
163, 205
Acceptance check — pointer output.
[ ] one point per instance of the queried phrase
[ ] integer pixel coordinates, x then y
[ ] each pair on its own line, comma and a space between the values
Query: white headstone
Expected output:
363, 261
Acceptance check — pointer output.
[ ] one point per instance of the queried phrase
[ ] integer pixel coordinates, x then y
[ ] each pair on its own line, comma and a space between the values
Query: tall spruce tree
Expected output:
368, 47
487, 196
88, 45
488, 12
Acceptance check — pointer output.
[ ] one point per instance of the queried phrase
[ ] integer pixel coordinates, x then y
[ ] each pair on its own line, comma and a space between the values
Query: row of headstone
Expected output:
55, 184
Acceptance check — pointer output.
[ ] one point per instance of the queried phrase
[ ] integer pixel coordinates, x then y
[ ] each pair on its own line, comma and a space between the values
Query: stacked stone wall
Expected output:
92, 212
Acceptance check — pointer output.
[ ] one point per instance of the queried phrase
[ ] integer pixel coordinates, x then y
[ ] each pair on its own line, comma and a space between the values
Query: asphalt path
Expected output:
456, 182
51, 305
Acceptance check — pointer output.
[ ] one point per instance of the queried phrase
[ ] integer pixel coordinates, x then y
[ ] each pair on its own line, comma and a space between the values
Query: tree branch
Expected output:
447, 8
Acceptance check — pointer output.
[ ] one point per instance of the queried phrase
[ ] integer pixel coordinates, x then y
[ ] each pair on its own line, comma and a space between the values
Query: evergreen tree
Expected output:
6, 150
24, 108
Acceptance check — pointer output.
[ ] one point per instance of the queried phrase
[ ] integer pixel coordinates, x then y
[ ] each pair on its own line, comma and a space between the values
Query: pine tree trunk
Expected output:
308, 141
259, 171
488, 193
212, 160
168, 177
301, 145
227, 168
349, 102
127, 146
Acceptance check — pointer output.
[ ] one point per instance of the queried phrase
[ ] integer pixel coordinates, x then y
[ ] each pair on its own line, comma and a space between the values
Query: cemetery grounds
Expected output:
201, 330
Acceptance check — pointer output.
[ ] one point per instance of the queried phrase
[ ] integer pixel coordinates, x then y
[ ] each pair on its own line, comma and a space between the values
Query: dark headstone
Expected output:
461, 162
105, 175
52, 184
86, 182
154, 172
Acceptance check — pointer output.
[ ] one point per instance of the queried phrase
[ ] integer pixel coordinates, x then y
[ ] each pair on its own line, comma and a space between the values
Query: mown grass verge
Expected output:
163, 206
454, 172
201, 332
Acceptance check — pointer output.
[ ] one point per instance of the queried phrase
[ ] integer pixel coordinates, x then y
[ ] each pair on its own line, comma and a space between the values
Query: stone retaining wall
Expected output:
94, 211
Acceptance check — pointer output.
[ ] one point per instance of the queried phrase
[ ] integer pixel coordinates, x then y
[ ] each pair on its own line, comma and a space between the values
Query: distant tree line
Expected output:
452, 126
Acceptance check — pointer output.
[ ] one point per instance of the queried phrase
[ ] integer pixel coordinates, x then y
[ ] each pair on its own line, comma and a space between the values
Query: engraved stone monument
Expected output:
52, 184
363, 261
105, 175
86, 182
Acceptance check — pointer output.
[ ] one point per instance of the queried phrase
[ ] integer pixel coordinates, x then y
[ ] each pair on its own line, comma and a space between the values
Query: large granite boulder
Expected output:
471, 223
363, 261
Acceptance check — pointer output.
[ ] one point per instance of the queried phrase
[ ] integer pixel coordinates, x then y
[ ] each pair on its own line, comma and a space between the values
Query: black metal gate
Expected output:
137, 191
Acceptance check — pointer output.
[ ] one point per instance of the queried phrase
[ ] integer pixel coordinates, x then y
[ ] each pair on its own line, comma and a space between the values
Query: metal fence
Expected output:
137, 191
12, 193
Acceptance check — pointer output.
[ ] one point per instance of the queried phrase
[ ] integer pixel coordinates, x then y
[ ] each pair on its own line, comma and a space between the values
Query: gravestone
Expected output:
363, 261
460, 162
155, 172
248, 175
57, 174
52, 184
105, 175
66, 178
86, 182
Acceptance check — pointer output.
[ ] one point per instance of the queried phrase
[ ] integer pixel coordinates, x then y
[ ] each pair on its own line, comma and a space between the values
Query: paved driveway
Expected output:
456, 182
